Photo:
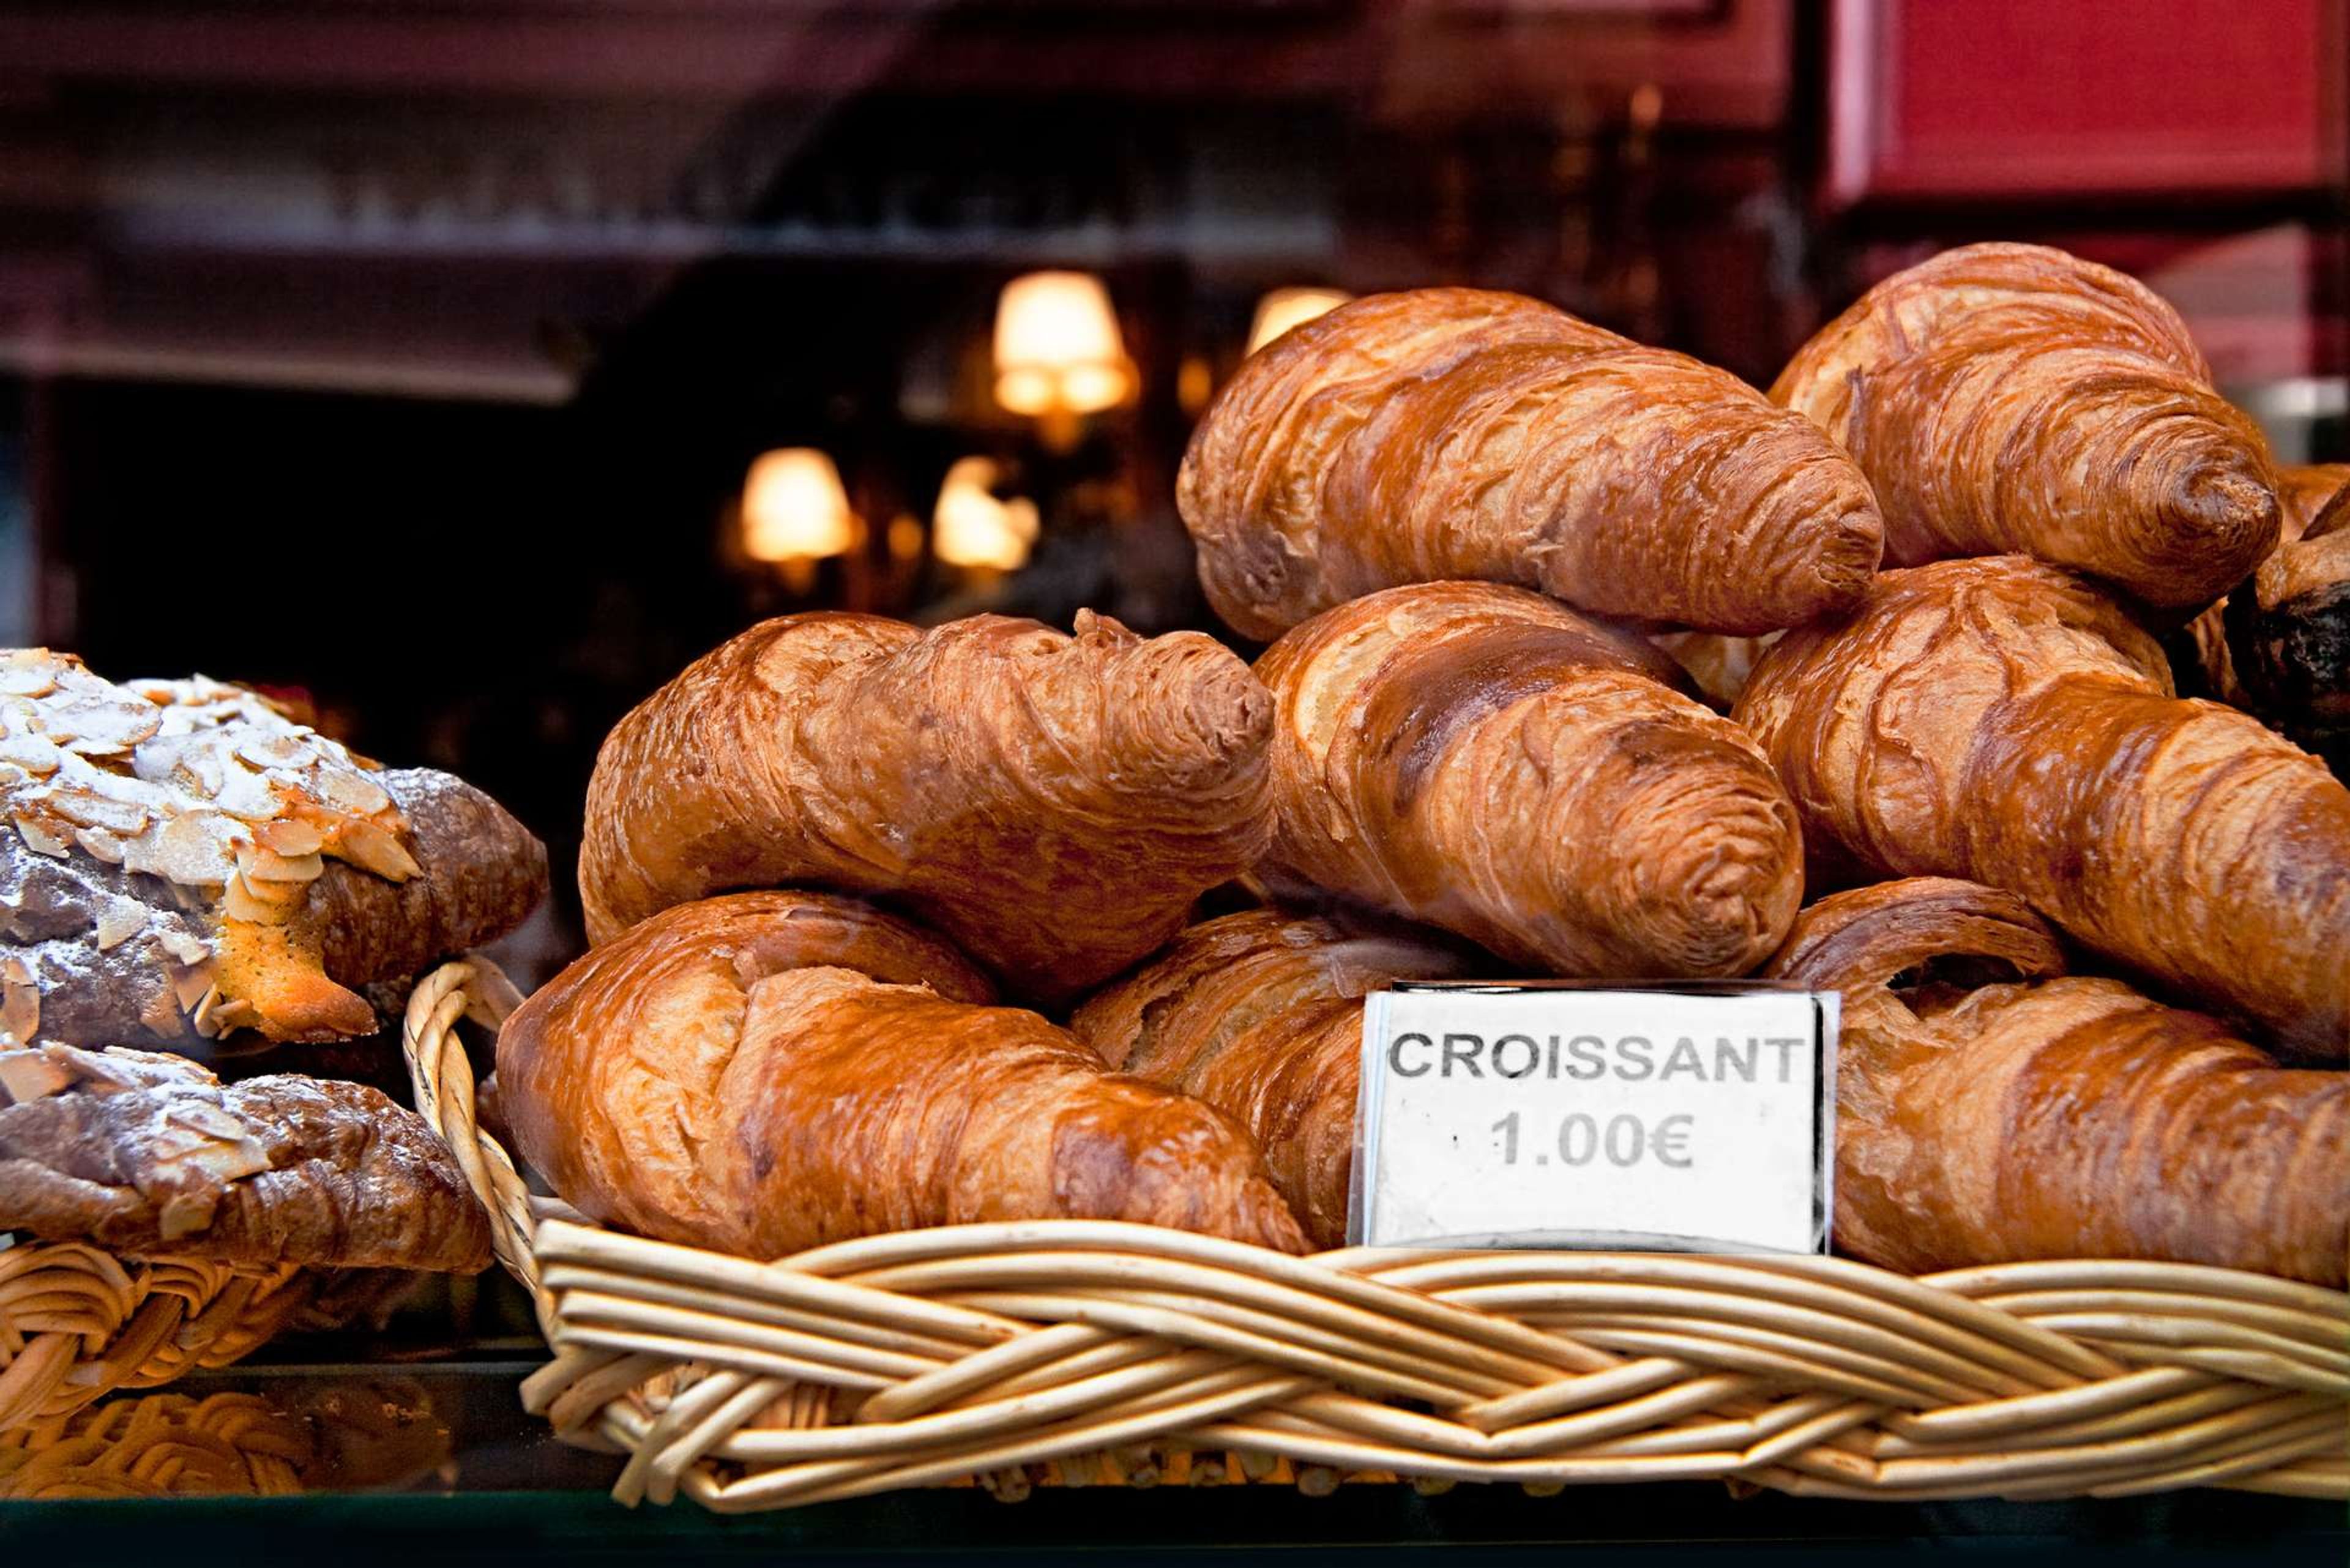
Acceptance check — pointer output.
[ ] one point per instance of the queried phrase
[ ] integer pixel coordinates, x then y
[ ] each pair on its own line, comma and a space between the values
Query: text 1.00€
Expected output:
1624, 1140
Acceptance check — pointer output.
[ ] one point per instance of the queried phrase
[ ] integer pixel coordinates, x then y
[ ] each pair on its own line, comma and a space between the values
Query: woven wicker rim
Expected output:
1087, 1348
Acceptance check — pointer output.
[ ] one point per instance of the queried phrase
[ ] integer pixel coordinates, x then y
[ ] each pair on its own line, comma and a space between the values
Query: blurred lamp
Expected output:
794, 508
1284, 308
972, 528
1057, 351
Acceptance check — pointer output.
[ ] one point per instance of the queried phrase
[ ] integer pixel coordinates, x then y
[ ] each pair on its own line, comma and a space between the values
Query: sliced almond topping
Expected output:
370, 849
29, 672
189, 985
266, 752
88, 808
99, 844
186, 947
290, 838
201, 1019
119, 919
352, 791
39, 839
31, 1076
34, 754
271, 866
263, 906
194, 849
20, 1005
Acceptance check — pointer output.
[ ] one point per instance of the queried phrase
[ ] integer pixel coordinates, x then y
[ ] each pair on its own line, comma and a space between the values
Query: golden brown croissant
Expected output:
767, 1071
1998, 719
1486, 759
1982, 1120
1260, 1014
1053, 804
2016, 398
1450, 433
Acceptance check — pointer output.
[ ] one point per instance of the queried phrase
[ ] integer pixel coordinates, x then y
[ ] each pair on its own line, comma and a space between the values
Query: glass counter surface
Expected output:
462, 1474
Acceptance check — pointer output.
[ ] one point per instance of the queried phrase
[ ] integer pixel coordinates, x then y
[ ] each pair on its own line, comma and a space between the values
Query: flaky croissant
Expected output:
2042, 1116
1260, 1014
2009, 398
1450, 432
1053, 803
1486, 759
767, 1071
2000, 720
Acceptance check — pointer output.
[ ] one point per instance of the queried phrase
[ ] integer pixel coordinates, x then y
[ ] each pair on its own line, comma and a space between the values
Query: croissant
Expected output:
1053, 803
1450, 433
768, 1072
2201, 658
2001, 721
1488, 761
2015, 399
2288, 631
2046, 1116
1260, 1014
186, 861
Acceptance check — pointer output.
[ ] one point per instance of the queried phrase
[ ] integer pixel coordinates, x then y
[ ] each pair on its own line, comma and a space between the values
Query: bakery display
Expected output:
1486, 759
1990, 1106
990, 776
2001, 720
2014, 399
1450, 432
767, 1071
146, 1154
1260, 1014
185, 861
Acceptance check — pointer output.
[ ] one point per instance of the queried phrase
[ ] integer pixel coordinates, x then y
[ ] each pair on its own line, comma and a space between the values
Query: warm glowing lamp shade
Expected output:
1056, 346
972, 528
794, 508
1284, 308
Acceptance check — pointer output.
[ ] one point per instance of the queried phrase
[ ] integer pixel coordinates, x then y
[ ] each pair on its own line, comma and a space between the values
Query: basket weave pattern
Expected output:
1073, 1351
77, 1322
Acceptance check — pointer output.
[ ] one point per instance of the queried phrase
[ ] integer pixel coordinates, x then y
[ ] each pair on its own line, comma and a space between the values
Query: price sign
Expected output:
1699, 1118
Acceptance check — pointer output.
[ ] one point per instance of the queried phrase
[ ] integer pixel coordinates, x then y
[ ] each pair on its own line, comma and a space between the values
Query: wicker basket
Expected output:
77, 1322
1071, 1352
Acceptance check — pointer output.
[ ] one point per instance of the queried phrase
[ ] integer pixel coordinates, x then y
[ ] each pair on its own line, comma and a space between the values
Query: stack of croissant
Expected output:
894, 927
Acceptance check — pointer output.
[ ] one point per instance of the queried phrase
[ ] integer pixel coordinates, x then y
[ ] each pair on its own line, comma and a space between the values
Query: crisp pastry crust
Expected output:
1990, 1107
1486, 759
149, 1155
1053, 803
1452, 432
1260, 1014
2007, 397
768, 1072
2001, 720
2289, 632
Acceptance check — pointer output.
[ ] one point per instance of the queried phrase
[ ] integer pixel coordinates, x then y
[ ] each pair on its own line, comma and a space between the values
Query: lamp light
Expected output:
1058, 350
794, 507
972, 527
1284, 308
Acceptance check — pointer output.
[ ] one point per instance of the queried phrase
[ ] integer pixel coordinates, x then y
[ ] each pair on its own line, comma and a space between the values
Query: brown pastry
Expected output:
2289, 634
1991, 1108
1053, 803
768, 1072
148, 1155
2016, 398
2200, 660
2000, 720
1260, 1014
186, 861
1450, 433
1486, 759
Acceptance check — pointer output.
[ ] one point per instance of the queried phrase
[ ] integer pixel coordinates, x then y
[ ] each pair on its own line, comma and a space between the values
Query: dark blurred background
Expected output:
427, 360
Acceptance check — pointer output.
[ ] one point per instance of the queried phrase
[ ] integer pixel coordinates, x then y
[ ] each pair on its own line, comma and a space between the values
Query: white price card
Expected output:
1693, 1119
